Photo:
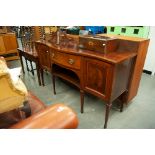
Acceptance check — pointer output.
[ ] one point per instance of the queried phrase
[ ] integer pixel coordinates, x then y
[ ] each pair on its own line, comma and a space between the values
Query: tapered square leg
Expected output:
121, 107
38, 73
122, 100
82, 99
42, 76
53, 80
108, 107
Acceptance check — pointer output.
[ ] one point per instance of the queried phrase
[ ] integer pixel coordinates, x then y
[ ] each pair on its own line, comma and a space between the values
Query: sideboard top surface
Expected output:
136, 39
112, 57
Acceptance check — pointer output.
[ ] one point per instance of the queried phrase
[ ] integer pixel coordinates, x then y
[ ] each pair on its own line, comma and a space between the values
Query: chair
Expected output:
57, 116
13, 92
43, 52
27, 42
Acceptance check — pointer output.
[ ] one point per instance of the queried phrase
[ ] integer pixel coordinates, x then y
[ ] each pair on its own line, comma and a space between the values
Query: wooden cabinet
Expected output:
10, 42
97, 77
107, 75
2, 45
8, 46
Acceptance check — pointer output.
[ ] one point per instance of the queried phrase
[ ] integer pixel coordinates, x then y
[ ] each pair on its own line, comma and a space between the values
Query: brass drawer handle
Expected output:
71, 61
46, 51
53, 55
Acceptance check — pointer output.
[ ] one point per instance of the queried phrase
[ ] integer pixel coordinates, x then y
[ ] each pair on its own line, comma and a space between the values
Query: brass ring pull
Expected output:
53, 55
71, 61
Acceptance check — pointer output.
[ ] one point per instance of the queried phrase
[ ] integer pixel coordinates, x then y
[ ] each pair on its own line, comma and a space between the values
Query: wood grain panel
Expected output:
137, 70
2, 46
10, 42
44, 55
67, 60
97, 77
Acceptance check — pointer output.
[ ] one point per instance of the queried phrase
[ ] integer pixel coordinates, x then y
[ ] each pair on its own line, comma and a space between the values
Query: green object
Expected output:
134, 31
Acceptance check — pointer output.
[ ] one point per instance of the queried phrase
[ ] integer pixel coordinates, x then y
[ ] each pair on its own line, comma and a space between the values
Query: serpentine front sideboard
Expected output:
108, 76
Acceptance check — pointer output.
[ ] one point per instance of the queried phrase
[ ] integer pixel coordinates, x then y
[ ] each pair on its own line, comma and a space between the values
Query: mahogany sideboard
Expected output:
108, 76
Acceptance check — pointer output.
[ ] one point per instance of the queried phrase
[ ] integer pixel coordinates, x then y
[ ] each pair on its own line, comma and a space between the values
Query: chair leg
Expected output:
20, 113
26, 109
21, 61
17, 115
38, 73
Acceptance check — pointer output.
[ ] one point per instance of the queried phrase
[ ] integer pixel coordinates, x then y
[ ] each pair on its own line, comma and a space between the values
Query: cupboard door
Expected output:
98, 77
2, 46
44, 55
10, 42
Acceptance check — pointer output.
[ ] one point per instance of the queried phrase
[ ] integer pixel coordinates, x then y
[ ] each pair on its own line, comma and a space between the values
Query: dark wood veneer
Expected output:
115, 74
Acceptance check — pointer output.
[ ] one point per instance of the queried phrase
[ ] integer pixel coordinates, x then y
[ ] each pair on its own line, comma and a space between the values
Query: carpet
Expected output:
9, 118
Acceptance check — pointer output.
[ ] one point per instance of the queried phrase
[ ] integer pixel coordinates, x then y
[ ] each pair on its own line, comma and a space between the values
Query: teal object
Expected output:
133, 31
95, 29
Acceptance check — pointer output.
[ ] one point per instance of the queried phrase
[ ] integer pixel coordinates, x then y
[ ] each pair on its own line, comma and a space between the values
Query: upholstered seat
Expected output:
13, 92
56, 116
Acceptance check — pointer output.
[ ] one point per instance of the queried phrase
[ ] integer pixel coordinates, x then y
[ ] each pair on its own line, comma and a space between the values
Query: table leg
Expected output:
27, 64
108, 107
21, 61
32, 70
38, 73
82, 99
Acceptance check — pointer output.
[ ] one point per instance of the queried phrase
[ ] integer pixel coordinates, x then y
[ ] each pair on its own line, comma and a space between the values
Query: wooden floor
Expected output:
10, 118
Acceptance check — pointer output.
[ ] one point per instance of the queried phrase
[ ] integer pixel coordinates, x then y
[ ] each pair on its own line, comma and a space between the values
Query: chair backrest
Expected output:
43, 55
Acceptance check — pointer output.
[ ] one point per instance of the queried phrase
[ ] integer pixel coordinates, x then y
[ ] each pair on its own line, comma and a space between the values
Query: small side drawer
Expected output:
67, 60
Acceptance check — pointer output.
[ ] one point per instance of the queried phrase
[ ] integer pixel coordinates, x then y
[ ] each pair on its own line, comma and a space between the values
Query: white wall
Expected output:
150, 58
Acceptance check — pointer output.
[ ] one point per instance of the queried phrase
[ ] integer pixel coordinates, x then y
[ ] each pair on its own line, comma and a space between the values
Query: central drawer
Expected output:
65, 59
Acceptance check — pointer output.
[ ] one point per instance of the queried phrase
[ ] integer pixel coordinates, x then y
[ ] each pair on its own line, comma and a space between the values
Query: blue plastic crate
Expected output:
95, 29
